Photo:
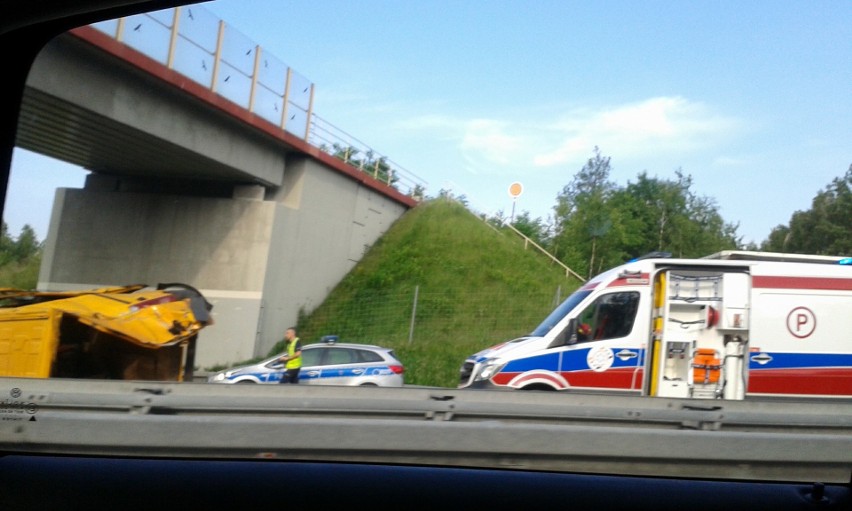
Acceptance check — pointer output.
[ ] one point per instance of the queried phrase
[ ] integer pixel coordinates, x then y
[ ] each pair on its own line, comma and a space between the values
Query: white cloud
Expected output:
663, 124
492, 141
646, 130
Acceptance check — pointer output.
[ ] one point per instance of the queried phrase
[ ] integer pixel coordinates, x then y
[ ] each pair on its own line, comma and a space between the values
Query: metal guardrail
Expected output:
198, 45
793, 440
353, 151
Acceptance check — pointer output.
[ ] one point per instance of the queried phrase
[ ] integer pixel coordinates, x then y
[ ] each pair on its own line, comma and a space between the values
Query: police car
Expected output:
326, 363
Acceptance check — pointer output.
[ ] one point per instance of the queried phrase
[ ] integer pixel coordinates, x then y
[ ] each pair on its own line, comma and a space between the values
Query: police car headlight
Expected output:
489, 369
218, 377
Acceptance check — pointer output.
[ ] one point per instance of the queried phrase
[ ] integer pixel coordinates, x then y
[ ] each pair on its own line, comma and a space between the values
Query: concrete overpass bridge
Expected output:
218, 174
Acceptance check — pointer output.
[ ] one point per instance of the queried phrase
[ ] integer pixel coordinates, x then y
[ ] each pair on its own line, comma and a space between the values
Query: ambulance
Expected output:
731, 325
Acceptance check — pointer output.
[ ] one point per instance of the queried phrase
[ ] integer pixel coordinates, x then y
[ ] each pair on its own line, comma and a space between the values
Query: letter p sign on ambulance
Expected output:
801, 322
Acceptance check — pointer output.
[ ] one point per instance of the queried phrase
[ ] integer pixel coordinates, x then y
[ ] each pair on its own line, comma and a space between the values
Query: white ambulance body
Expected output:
731, 325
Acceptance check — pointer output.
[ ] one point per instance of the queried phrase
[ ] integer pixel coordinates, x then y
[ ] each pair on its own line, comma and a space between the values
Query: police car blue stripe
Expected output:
348, 372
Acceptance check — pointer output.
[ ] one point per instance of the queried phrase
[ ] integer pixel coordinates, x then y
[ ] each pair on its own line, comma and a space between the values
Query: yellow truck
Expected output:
129, 332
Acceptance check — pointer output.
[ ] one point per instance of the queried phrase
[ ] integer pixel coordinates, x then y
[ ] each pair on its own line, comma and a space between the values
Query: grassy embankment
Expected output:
475, 286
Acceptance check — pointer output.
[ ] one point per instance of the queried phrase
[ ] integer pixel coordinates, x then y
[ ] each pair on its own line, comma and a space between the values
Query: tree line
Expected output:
20, 258
824, 229
597, 224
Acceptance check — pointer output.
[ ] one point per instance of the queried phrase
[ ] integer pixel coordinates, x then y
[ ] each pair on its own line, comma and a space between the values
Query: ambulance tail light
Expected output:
712, 317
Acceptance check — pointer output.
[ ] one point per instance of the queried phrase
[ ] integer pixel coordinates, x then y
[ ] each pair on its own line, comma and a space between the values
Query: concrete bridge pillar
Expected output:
258, 254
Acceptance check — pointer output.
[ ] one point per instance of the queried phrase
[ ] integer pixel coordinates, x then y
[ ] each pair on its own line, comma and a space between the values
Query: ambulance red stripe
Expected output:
821, 283
826, 382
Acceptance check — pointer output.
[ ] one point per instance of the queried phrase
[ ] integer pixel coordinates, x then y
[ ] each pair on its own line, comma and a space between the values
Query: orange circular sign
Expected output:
515, 189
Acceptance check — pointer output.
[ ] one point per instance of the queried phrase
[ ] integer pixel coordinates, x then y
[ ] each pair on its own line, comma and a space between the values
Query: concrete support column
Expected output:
219, 246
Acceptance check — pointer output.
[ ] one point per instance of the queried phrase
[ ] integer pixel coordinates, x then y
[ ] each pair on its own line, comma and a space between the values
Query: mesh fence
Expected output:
419, 315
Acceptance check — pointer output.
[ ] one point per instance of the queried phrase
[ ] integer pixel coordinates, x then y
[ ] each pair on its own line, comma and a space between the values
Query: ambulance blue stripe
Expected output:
800, 360
575, 360
547, 362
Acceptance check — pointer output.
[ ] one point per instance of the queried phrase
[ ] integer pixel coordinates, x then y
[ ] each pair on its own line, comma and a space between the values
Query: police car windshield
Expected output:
560, 312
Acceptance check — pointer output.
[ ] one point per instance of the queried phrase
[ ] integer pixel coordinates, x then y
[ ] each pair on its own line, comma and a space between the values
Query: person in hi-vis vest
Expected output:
292, 357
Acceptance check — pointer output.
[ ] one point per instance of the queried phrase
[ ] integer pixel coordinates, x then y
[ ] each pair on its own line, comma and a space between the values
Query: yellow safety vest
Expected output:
292, 361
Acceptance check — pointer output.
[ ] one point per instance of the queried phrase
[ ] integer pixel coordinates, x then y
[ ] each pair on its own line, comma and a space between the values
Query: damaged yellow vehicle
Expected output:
127, 333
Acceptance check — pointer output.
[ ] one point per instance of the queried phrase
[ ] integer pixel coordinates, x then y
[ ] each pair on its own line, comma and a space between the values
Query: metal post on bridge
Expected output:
217, 58
119, 30
310, 112
286, 98
173, 38
254, 78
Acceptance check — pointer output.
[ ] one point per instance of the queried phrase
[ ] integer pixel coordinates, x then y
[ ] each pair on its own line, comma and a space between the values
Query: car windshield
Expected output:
560, 312
324, 213
404, 186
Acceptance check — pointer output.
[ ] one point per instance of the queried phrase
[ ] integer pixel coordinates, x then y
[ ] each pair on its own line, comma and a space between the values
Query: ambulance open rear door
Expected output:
700, 334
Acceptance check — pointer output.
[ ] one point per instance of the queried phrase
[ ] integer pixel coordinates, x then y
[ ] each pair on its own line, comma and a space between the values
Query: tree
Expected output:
706, 231
379, 167
20, 258
777, 240
7, 246
600, 225
654, 208
533, 228
448, 195
587, 226
825, 229
27, 244
418, 192
666, 215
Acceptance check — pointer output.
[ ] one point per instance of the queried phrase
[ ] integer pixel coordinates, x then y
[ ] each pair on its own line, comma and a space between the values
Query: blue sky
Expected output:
752, 99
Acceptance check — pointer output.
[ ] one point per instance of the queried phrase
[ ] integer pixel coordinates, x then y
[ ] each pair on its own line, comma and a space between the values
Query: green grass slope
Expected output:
440, 285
